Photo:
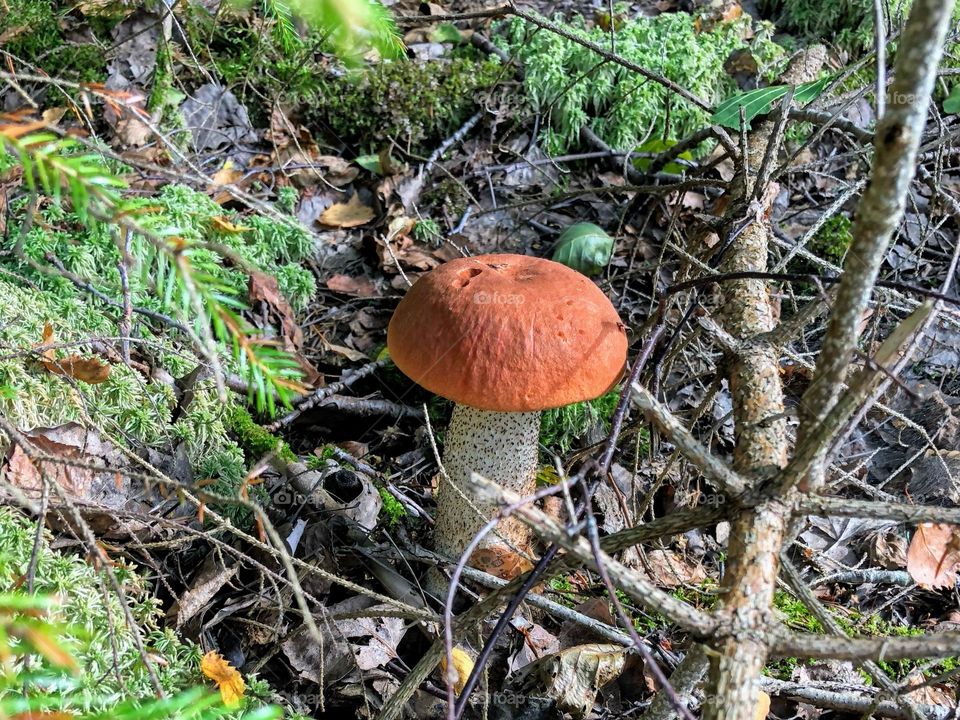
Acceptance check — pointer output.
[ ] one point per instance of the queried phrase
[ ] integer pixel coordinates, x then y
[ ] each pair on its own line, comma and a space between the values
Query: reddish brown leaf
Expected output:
933, 555
500, 562
359, 286
264, 288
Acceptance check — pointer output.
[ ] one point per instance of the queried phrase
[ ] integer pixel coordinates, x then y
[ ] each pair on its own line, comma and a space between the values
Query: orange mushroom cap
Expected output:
508, 333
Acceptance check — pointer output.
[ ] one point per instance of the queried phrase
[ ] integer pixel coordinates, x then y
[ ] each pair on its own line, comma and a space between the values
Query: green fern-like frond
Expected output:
353, 27
52, 165
284, 31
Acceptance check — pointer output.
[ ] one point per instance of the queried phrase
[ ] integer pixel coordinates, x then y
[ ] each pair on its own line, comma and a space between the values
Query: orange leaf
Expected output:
226, 175
500, 561
933, 555
227, 678
15, 131
88, 370
47, 340
348, 214
732, 13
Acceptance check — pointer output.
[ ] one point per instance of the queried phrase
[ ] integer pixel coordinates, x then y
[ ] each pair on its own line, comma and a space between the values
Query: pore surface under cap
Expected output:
508, 333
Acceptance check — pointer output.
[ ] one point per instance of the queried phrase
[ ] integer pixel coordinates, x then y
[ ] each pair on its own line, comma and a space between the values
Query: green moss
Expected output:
570, 88
414, 103
392, 508
40, 41
561, 427
134, 409
256, 441
795, 614
96, 633
87, 621
703, 597
833, 239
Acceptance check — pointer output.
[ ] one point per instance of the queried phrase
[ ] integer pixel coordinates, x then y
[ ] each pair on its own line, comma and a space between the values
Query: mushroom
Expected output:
504, 337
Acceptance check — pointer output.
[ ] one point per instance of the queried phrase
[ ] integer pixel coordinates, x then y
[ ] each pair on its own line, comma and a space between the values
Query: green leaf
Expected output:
584, 247
446, 33
659, 146
951, 105
759, 101
370, 162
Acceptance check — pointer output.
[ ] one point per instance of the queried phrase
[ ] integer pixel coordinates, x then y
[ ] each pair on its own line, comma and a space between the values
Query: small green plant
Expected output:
563, 588
427, 231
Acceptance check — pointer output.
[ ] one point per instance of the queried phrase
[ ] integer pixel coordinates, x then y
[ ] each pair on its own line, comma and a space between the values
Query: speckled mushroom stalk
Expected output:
501, 446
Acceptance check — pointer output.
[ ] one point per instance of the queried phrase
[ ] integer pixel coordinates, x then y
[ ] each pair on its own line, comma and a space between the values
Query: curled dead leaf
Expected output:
500, 561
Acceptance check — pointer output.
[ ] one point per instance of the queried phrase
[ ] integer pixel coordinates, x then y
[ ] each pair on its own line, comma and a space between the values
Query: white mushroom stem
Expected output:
502, 447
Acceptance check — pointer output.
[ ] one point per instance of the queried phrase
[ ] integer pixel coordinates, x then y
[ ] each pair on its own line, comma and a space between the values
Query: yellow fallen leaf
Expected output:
221, 224
226, 175
763, 707
227, 678
462, 663
349, 214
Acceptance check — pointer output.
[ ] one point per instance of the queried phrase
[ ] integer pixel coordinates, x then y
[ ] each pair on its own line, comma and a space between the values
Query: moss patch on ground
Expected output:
135, 409
571, 88
414, 103
87, 621
34, 34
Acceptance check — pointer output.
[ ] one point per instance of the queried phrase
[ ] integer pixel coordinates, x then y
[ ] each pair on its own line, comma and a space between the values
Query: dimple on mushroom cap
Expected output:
509, 333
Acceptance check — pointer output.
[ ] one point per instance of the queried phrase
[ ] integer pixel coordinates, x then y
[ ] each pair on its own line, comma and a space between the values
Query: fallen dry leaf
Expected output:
226, 175
500, 562
763, 706
462, 665
349, 214
264, 288
359, 286
933, 555
227, 678
133, 132
209, 579
573, 676
221, 224
88, 370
